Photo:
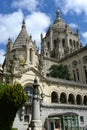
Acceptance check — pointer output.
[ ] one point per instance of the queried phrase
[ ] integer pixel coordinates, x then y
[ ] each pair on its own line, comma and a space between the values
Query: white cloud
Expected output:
37, 23
10, 25
2, 52
77, 6
84, 35
30, 5
73, 25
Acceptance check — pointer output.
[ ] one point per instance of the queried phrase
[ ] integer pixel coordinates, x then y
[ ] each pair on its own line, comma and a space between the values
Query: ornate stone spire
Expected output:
23, 24
58, 14
23, 35
9, 40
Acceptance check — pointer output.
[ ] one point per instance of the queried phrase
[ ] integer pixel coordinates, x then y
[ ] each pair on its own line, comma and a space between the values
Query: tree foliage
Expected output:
11, 98
59, 71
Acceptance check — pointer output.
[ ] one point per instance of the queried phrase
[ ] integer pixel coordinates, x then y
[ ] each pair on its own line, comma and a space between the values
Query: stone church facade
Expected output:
64, 106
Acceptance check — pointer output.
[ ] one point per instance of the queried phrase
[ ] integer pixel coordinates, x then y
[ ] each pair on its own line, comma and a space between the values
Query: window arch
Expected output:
74, 64
85, 100
63, 42
29, 92
63, 98
74, 43
74, 75
54, 97
84, 59
55, 44
48, 45
70, 42
71, 99
31, 55
78, 99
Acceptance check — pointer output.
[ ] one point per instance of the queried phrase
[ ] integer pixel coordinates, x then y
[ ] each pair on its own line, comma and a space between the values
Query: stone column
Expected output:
59, 98
36, 123
75, 100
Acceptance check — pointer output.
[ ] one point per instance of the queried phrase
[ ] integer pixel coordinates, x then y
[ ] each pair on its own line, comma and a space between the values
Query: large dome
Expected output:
60, 24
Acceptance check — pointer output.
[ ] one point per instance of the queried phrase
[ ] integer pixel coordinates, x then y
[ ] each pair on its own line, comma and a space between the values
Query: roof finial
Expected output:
58, 14
23, 24
9, 40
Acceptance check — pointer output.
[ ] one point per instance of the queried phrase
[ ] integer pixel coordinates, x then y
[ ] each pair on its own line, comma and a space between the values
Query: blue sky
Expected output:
39, 15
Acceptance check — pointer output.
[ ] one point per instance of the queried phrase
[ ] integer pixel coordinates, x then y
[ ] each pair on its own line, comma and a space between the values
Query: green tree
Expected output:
59, 71
11, 99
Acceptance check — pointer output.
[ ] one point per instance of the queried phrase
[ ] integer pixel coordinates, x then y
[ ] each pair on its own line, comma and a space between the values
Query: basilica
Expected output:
64, 106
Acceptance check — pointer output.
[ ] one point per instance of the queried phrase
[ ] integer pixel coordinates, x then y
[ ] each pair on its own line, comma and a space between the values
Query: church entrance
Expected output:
66, 121
55, 124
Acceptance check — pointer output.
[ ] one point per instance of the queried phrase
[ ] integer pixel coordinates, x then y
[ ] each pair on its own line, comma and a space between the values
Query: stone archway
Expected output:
63, 98
54, 97
79, 99
71, 99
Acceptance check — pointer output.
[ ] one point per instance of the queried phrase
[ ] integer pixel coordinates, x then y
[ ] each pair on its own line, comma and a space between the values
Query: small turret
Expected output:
41, 36
30, 37
41, 41
9, 44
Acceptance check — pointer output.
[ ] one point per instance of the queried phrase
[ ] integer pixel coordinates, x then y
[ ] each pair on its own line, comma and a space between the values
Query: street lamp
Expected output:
36, 123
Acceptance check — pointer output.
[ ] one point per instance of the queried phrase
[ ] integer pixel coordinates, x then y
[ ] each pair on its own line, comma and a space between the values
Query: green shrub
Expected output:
11, 98
14, 129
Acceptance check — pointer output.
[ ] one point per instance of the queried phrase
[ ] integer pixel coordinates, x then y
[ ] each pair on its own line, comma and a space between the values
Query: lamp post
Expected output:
36, 123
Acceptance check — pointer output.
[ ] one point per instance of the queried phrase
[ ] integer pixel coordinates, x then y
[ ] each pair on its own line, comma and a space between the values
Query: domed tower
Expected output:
60, 39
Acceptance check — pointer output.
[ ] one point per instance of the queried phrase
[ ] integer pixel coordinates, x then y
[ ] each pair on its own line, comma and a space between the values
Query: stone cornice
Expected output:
63, 106
64, 82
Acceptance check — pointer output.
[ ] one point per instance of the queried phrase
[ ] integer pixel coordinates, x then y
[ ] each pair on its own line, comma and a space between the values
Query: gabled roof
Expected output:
19, 74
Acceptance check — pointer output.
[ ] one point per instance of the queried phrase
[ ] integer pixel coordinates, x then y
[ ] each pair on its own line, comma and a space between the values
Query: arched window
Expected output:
71, 99
63, 98
48, 45
74, 43
77, 71
31, 55
85, 59
74, 75
55, 44
85, 67
63, 42
85, 71
78, 99
54, 97
85, 100
77, 45
74, 64
29, 92
70, 41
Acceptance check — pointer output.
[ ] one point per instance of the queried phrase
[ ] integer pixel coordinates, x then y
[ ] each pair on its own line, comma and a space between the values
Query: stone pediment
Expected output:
29, 69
